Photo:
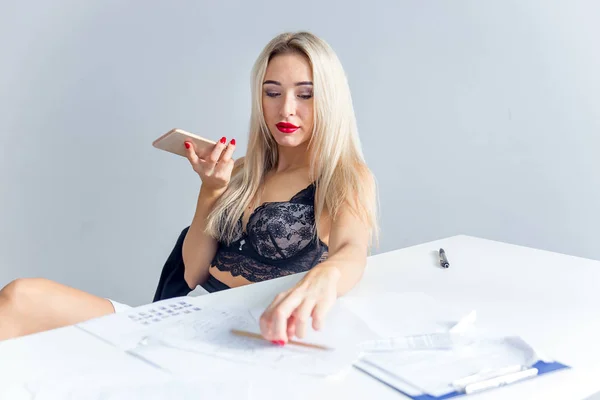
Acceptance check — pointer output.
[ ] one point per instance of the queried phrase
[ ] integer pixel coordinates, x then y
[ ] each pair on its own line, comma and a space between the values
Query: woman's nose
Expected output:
289, 106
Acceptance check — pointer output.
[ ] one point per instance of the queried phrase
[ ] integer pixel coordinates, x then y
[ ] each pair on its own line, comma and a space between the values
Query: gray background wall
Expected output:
477, 117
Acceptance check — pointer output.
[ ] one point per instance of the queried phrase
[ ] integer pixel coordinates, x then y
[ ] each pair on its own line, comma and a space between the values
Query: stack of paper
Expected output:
440, 372
181, 325
426, 352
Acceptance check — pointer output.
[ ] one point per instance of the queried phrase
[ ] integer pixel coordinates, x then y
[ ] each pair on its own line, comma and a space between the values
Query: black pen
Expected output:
443, 260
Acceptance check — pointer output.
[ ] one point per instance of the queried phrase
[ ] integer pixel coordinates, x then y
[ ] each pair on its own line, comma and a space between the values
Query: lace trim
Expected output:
256, 271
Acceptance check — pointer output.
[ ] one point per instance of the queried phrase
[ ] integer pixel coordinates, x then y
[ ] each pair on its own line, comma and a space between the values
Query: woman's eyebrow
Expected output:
302, 83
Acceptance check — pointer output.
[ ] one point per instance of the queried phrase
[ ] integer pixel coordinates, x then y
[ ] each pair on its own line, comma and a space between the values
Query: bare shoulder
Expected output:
238, 165
366, 175
361, 199
365, 181
239, 161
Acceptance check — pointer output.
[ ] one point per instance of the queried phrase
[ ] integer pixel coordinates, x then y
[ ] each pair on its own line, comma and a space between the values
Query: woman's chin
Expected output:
289, 140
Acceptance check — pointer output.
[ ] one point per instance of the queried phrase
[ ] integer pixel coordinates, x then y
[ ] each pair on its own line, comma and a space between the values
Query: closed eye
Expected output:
302, 96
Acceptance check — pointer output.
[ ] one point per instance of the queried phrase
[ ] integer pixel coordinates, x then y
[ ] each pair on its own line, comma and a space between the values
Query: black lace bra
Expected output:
279, 240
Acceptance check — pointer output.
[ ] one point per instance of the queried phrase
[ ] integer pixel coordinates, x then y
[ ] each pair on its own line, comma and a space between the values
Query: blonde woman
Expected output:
302, 199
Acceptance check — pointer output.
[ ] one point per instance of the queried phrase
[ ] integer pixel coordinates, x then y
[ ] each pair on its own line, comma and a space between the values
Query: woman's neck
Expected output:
292, 158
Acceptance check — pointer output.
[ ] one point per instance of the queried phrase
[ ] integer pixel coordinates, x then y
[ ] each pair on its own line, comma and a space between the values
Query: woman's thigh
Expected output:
36, 304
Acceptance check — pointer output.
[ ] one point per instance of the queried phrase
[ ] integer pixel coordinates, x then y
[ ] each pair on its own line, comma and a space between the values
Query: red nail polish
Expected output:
187, 145
278, 342
233, 142
223, 139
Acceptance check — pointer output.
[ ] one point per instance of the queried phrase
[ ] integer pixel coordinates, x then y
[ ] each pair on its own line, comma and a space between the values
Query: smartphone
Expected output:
174, 142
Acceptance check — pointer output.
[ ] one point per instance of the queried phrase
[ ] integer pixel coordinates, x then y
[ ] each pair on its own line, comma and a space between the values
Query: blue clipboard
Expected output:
541, 366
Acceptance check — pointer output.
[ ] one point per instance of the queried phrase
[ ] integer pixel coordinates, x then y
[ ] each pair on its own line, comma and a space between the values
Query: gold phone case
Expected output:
173, 142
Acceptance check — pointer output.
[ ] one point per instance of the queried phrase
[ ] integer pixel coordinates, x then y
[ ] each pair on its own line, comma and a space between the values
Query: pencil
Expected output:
294, 342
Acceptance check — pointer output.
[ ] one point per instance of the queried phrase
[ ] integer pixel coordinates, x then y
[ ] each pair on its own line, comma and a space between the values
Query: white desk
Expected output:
551, 300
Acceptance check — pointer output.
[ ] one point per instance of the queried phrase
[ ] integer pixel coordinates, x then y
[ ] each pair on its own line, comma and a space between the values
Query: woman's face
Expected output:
287, 99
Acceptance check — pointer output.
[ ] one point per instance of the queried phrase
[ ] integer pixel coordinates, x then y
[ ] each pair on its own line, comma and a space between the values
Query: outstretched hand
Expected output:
311, 298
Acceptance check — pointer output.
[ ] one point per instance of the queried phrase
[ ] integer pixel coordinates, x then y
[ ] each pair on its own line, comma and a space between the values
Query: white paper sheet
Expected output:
125, 330
342, 327
396, 314
435, 371
209, 332
179, 323
456, 336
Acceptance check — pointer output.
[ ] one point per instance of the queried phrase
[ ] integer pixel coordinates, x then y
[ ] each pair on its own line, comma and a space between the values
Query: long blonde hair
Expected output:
337, 162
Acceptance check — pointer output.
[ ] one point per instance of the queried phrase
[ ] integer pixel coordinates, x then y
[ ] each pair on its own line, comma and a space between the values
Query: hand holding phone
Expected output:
174, 142
212, 161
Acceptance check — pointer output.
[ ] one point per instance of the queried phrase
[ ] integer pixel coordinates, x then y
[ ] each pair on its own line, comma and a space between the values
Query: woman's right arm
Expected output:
214, 168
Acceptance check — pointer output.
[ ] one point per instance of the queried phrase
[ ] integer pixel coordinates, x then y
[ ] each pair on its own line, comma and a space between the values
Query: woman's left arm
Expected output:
313, 296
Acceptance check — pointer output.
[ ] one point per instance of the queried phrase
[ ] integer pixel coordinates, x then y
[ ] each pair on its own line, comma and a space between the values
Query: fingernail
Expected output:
187, 145
223, 139
233, 142
278, 342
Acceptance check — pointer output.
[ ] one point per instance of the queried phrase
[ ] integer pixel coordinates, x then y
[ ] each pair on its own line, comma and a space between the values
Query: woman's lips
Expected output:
286, 127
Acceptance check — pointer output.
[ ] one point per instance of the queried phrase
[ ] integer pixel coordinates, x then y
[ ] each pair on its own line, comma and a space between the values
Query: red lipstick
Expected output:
286, 127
